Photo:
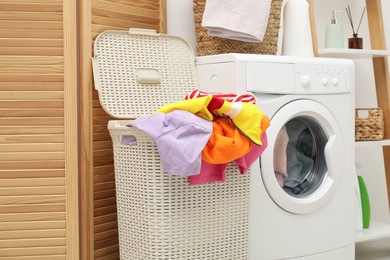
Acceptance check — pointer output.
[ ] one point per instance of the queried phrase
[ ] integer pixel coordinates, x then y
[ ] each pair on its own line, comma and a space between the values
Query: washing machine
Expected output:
302, 187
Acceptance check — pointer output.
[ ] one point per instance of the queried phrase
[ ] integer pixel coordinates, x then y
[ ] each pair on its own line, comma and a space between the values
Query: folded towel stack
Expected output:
236, 19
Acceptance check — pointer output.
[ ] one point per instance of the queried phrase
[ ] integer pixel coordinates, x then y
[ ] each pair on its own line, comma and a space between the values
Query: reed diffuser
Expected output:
355, 42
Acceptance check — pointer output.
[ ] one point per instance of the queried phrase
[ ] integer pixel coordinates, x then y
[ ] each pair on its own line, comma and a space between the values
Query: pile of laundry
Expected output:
198, 136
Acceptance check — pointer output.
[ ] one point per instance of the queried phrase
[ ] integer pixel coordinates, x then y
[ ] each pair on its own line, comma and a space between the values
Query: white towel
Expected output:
244, 20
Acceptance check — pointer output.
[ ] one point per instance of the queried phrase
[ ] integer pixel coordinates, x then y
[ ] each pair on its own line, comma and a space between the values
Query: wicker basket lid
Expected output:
138, 71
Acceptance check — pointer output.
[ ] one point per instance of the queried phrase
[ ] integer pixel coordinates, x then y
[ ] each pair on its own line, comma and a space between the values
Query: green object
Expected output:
366, 210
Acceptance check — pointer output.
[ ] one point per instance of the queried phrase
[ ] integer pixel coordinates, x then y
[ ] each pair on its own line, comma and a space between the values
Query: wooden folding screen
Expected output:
38, 130
55, 151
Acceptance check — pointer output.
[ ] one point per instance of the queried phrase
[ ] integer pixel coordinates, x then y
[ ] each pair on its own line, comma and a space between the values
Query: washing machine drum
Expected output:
303, 163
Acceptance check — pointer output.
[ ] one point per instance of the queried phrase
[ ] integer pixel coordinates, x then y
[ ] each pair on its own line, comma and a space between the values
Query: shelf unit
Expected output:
376, 231
353, 53
379, 54
372, 143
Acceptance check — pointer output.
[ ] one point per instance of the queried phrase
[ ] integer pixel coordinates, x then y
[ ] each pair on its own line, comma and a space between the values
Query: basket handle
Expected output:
128, 140
369, 113
147, 76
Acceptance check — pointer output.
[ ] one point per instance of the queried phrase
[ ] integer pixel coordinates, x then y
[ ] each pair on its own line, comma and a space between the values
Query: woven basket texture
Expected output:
209, 45
371, 127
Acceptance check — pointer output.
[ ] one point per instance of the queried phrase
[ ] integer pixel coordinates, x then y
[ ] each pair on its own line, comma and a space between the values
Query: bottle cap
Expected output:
333, 20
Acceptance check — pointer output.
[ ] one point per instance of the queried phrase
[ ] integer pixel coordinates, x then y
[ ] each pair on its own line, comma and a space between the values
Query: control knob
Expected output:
305, 81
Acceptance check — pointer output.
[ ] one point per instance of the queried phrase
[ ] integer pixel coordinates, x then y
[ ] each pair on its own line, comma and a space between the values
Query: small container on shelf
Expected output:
369, 127
355, 42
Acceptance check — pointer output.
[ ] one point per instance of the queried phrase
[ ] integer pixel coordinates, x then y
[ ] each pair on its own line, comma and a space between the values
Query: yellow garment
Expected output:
197, 106
247, 117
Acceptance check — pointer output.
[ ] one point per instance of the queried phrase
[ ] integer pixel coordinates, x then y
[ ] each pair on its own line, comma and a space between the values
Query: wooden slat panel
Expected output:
23, 42
106, 226
106, 251
9, 60
40, 199
105, 218
27, 25
30, 16
23, 234
21, 191
29, 251
31, 104
30, 6
27, 182
32, 208
120, 23
32, 225
40, 242
31, 173
127, 7
55, 147
32, 77
24, 165
106, 243
48, 69
19, 156
43, 51
39, 34
38, 257
28, 121
32, 112
28, 86
32, 216
32, 138
31, 95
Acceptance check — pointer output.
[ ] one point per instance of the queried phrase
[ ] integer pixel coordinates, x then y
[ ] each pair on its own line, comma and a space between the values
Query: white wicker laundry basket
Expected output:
161, 216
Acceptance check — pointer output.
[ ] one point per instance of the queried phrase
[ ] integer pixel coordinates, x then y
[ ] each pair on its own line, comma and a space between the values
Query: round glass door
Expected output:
299, 160
302, 165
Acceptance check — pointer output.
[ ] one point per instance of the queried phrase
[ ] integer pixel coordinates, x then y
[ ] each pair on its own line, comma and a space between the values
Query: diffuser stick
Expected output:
361, 18
348, 10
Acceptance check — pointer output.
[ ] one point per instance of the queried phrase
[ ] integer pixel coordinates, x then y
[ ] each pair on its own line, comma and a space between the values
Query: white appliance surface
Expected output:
317, 223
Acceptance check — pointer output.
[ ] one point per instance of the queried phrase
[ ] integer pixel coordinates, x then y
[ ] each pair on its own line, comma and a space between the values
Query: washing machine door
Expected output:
303, 164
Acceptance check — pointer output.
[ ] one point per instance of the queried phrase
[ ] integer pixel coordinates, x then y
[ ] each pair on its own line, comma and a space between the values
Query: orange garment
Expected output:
226, 143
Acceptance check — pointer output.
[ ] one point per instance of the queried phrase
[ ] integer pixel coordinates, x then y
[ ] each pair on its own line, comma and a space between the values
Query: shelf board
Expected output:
376, 231
377, 249
372, 143
352, 53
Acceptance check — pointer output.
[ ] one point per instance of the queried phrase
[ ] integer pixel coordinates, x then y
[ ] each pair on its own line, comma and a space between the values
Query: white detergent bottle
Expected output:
334, 37
297, 38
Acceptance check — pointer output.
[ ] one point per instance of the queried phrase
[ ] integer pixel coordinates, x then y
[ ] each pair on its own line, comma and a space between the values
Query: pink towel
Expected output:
280, 156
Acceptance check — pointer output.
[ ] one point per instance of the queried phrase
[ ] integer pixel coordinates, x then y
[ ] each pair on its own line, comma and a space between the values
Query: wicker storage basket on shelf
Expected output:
371, 127
209, 45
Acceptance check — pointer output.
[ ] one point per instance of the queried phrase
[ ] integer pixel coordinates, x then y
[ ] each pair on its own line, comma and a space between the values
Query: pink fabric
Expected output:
280, 156
216, 172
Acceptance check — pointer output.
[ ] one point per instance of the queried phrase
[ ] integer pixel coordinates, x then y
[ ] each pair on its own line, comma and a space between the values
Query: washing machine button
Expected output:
324, 81
335, 82
305, 81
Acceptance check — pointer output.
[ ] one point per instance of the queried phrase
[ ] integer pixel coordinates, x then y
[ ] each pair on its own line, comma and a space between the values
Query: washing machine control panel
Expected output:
275, 74
321, 78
